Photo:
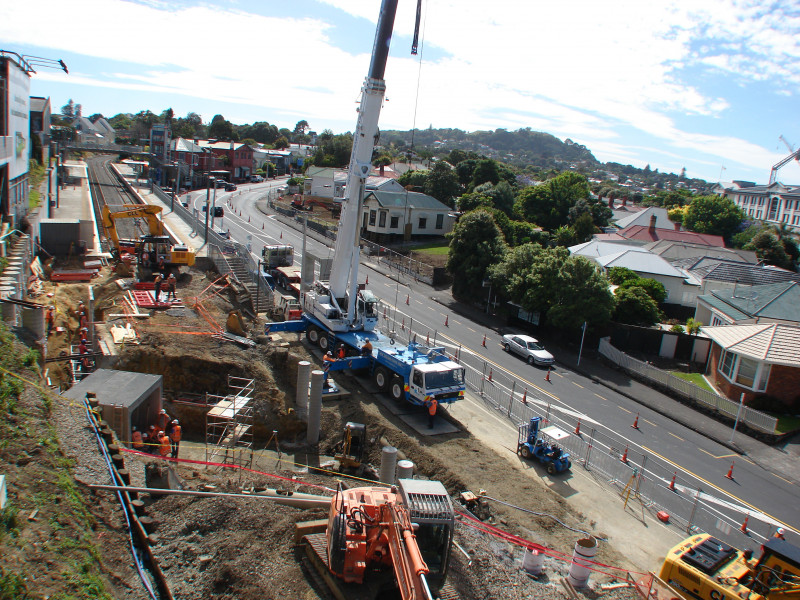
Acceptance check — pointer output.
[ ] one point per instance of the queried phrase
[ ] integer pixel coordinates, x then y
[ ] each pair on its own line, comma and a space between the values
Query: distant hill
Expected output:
520, 148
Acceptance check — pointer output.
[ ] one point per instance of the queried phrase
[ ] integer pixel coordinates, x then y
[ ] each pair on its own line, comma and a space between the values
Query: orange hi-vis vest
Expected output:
432, 406
137, 440
176, 433
163, 446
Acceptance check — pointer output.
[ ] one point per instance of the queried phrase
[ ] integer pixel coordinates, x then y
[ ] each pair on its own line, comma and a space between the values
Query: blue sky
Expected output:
701, 84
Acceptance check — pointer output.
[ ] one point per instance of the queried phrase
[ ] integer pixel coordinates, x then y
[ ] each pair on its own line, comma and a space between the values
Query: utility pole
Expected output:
208, 208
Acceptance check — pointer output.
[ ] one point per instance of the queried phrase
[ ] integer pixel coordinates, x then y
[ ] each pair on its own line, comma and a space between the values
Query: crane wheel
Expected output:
313, 335
382, 378
396, 389
324, 342
337, 544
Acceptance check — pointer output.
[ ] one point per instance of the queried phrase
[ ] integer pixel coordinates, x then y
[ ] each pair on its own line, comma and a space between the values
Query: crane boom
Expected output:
344, 273
773, 175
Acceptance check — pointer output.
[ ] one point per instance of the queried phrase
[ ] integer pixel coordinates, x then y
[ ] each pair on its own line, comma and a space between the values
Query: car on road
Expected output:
229, 187
223, 233
219, 211
528, 348
256, 179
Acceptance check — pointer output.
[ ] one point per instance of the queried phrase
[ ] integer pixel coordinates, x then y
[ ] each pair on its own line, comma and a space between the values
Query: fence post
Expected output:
694, 509
589, 451
641, 473
483, 377
511, 399
547, 415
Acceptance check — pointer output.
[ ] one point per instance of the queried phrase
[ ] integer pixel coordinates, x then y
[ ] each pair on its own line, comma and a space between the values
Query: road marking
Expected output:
471, 329
784, 479
707, 452
578, 384
719, 489
625, 409
722, 455
676, 436
650, 422
601, 397
558, 374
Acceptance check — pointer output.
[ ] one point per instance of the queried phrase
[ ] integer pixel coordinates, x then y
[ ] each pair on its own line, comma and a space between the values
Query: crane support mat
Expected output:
61, 275
146, 299
554, 433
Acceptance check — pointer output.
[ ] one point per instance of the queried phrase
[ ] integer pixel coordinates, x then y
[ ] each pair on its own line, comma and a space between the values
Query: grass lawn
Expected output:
786, 423
437, 248
695, 378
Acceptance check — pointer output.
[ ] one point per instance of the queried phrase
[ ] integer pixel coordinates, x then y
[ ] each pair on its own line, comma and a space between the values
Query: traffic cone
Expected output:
730, 471
547, 377
636, 422
407, 297
625, 456
525, 396
446, 320
248, 218
578, 428
367, 281
384, 312
490, 374
672, 483
484, 341
428, 340
743, 528
403, 324
262, 227
281, 235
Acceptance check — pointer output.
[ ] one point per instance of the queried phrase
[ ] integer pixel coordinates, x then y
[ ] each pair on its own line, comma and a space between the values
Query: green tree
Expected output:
621, 275
68, 111
473, 201
222, 129
414, 180
564, 236
476, 243
693, 326
301, 127
713, 214
769, 249
281, 143
635, 306
567, 290
442, 183
584, 228
548, 204
120, 122
486, 170
655, 289
382, 161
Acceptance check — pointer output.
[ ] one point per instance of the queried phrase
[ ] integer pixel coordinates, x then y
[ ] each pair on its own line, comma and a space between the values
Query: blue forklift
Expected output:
542, 445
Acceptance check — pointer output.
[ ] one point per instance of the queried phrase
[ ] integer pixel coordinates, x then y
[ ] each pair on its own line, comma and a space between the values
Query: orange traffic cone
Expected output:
743, 528
281, 235
403, 324
636, 422
547, 377
525, 396
484, 341
578, 428
672, 483
625, 456
428, 340
262, 227
446, 320
490, 374
730, 471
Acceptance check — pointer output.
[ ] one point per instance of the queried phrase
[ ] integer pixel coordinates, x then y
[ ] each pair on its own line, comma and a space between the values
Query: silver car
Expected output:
528, 348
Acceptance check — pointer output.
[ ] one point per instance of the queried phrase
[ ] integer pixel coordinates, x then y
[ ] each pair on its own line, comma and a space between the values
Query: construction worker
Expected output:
157, 285
171, 281
366, 349
152, 438
84, 321
136, 439
163, 420
161, 263
432, 405
326, 363
83, 349
175, 437
780, 534
163, 445
341, 352
50, 317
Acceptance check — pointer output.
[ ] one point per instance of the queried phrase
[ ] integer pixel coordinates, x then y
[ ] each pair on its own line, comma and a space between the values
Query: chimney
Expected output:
652, 227
677, 226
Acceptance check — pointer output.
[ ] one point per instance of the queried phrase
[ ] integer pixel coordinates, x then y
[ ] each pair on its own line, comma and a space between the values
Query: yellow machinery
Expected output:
350, 451
153, 246
705, 568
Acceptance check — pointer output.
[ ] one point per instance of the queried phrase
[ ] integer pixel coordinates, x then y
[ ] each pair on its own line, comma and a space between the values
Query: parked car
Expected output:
256, 179
528, 348
220, 183
229, 187
219, 211
223, 233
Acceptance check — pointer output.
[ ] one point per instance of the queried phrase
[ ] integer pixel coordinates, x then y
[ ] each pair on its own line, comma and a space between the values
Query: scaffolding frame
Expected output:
229, 424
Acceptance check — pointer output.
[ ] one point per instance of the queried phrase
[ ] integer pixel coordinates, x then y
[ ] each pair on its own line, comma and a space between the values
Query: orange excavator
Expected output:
381, 538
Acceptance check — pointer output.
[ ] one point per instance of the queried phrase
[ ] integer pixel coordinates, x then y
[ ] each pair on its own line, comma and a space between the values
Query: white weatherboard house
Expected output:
391, 216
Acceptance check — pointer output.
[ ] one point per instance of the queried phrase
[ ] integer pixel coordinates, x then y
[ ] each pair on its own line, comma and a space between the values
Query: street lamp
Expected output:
208, 197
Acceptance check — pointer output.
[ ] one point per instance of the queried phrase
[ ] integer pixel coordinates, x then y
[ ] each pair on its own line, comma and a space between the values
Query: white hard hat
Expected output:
163, 412
175, 421
781, 531
134, 427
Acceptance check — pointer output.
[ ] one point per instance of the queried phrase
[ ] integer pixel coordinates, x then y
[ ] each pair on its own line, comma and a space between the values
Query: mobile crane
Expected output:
704, 568
340, 312
156, 245
374, 532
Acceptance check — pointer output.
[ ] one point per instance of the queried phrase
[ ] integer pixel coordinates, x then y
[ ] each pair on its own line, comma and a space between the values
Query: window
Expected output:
394, 222
439, 221
382, 219
763, 377
372, 214
746, 373
423, 222
727, 364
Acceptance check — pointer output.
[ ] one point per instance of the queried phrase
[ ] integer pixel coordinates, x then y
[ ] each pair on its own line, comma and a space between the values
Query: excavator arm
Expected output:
131, 211
409, 567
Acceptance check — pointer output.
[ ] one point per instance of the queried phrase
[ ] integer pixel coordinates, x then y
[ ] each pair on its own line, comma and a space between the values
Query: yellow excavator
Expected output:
704, 568
148, 248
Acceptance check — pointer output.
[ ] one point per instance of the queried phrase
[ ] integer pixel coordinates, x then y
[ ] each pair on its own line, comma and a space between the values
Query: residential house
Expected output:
193, 161
654, 215
775, 203
96, 135
280, 158
646, 234
773, 302
326, 182
671, 251
392, 216
237, 158
720, 274
40, 127
755, 360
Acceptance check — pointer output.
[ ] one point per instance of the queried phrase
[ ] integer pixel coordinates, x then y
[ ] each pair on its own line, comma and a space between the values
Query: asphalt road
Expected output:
700, 463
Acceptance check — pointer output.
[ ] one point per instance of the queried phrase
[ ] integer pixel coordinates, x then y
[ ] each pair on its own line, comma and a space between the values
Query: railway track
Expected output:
107, 190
